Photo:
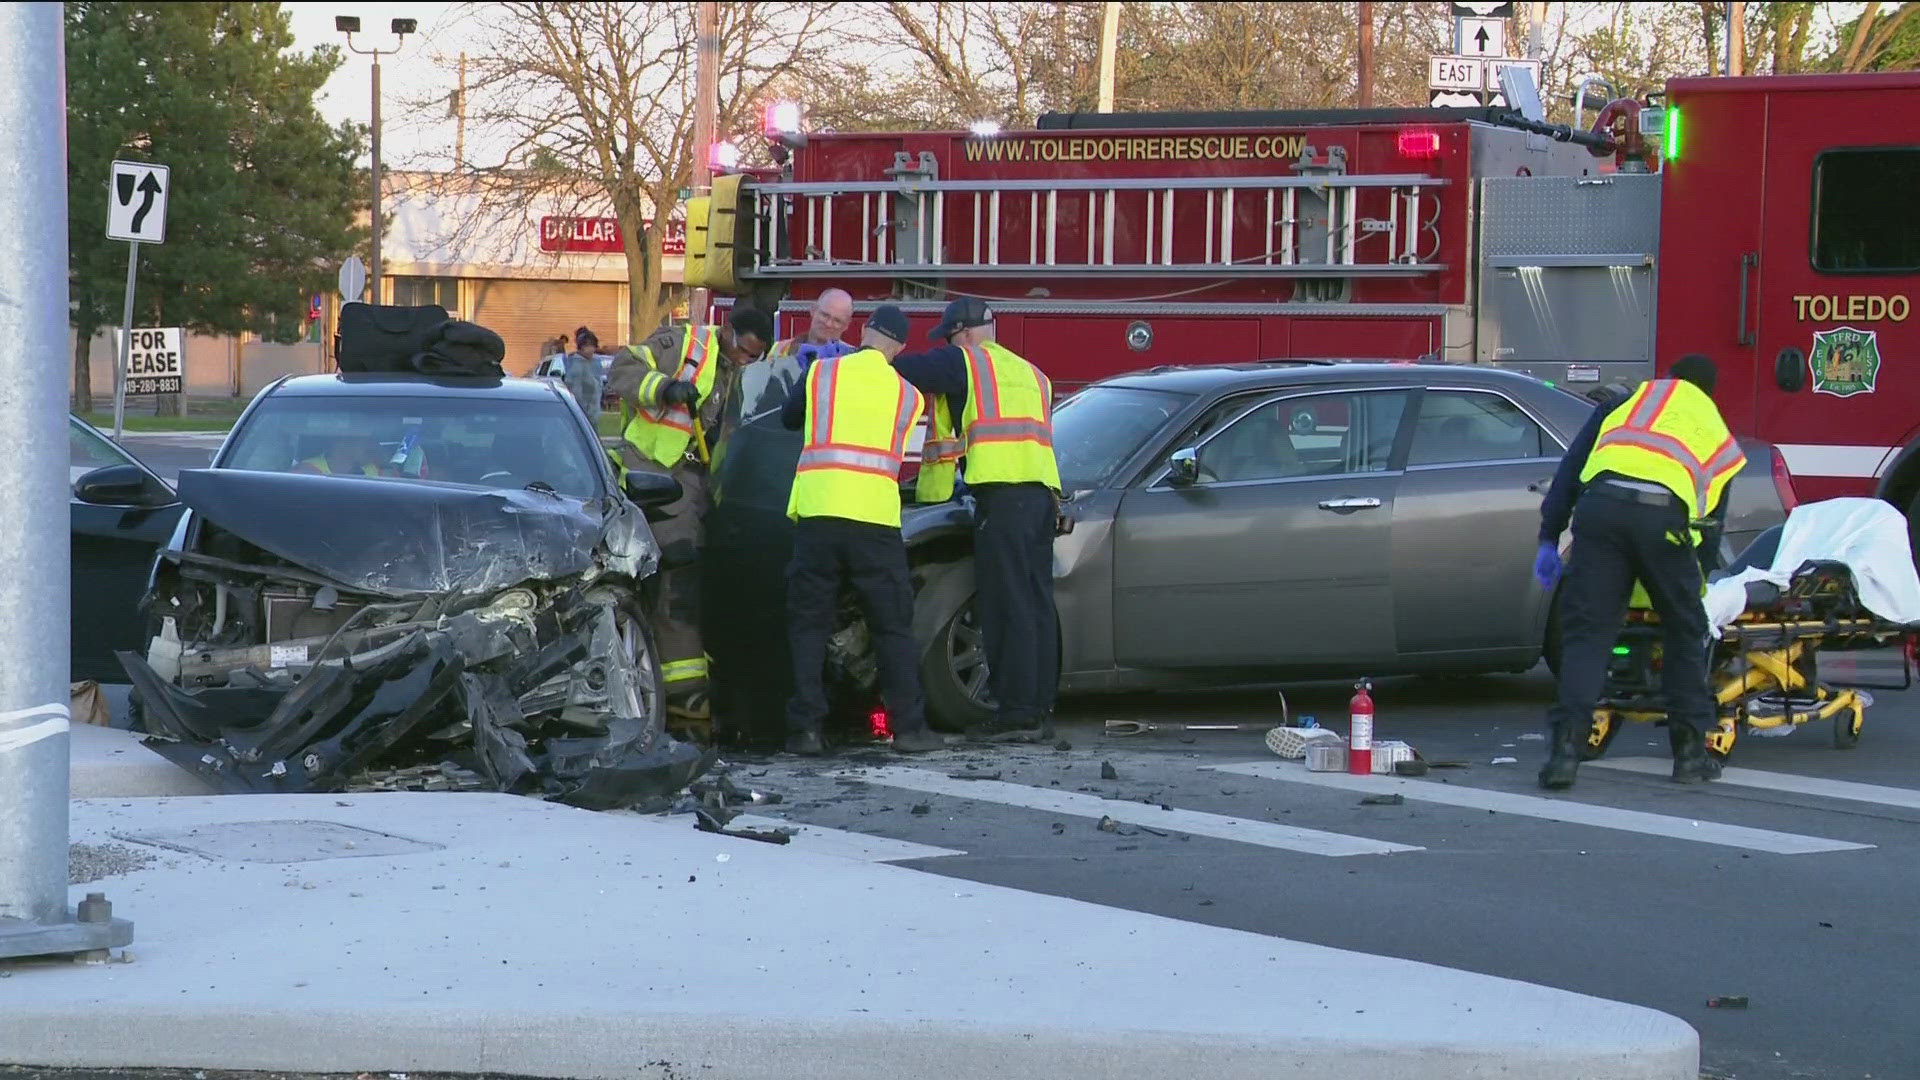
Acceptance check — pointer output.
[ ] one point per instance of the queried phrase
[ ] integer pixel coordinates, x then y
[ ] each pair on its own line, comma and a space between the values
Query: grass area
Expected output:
203, 414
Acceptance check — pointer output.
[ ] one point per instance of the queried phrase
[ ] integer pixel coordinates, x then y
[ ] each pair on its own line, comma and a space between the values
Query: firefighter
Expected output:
1644, 479
832, 311
858, 415
1003, 406
673, 390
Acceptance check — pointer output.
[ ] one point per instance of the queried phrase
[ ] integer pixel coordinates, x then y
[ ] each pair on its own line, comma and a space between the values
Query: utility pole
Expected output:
1366, 55
1537, 31
706, 109
1736, 37
35, 607
1109, 44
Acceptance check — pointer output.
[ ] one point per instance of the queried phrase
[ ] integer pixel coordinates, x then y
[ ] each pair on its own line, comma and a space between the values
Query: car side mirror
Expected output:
652, 489
118, 485
1183, 466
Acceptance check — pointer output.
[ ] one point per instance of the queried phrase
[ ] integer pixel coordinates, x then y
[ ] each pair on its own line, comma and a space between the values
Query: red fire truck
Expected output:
1771, 223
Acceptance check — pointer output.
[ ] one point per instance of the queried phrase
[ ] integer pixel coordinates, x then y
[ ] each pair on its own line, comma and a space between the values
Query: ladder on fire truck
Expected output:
909, 226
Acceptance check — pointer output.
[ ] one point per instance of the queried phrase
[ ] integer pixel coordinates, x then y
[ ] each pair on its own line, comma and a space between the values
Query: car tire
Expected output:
953, 662
649, 694
1550, 648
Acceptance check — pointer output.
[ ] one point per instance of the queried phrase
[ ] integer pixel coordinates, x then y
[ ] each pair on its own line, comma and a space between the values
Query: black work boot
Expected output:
1563, 760
1691, 761
806, 744
918, 741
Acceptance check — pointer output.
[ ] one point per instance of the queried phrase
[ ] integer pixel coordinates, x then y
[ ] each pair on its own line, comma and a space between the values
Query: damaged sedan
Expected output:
398, 571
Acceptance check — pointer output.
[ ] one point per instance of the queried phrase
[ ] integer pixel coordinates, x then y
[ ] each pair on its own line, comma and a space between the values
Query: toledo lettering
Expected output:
1159, 148
1857, 308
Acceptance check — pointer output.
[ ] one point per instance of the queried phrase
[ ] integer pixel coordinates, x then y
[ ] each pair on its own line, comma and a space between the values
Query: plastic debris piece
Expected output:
1410, 768
1063, 745
1506, 761
973, 776
921, 809
1108, 772
1384, 800
1730, 1001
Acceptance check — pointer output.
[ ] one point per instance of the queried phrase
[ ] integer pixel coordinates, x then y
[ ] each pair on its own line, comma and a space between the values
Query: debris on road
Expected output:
709, 821
1063, 745
921, 809
1384, 800
1731, 1001
1107, 824
971, 775
1506, 761
1108, 772
1410, 768
88, 863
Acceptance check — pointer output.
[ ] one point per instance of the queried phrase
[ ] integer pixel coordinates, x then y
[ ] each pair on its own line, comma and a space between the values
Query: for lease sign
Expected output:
155, 363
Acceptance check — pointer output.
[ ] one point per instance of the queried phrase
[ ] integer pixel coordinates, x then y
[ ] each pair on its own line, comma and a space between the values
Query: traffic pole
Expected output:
373, 272
34, 917
126, 344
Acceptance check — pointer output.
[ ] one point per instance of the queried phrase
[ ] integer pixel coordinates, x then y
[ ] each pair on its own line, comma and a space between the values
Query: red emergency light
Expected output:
877, 724
1420, 143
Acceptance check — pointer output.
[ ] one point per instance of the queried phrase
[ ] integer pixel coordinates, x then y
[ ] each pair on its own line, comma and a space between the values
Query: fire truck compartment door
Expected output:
1837, 282
1278, 554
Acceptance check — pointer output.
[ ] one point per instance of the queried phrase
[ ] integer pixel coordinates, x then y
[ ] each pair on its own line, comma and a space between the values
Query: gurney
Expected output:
1838, 576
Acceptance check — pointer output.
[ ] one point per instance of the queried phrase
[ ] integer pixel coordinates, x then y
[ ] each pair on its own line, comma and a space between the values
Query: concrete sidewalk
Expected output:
111, 763
492, 933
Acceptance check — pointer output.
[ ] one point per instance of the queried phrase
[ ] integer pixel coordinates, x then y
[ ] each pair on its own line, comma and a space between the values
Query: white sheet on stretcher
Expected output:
1870, 536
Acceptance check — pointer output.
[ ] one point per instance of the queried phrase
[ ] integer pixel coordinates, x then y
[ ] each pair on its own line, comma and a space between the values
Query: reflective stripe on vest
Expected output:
850, 465
1706, 471
1007, 430
663, 433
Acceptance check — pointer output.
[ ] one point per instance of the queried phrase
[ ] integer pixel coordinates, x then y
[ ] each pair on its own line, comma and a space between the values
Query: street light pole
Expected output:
35, 607
350, 25
706, 107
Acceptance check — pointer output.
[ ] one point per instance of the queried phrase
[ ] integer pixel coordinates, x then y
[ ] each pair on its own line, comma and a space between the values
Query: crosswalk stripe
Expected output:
863, 847
1907, 798
1564, 810
1077, 804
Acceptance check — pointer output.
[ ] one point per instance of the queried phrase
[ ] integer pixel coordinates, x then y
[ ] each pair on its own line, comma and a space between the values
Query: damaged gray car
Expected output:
396, 571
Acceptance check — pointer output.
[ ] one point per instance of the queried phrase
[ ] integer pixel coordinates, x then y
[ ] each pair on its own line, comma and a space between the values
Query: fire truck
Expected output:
1771, 223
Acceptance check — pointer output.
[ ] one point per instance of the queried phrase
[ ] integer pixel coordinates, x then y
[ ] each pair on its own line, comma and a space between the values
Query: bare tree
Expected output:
594, 101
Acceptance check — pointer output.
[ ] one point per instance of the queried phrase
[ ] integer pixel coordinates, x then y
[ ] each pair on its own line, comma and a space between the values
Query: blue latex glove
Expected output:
1546, 565
810, 352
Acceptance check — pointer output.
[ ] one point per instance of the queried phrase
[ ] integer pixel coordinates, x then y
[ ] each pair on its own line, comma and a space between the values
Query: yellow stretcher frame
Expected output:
1771, 666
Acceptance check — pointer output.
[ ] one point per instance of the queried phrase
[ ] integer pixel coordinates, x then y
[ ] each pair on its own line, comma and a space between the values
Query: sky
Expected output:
407, 135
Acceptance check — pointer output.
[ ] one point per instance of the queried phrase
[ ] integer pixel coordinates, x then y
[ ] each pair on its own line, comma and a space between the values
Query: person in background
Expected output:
857, 414
1642, 483
996, 408
832, 312
581, 374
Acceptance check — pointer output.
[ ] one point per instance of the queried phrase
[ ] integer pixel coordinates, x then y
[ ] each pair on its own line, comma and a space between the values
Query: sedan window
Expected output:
1457, 427
460, 440
1319, 435
87, 451
1096, 430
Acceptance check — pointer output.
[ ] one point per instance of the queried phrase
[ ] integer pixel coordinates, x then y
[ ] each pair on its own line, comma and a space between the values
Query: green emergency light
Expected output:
1670, 140
1621, 650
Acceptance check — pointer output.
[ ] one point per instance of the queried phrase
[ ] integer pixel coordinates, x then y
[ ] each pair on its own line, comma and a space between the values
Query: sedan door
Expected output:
114, 541
1276, 554
1465, 526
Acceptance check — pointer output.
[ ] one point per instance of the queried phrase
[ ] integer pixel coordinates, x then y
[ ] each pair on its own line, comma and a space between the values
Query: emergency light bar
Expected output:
723, 157
1419, 143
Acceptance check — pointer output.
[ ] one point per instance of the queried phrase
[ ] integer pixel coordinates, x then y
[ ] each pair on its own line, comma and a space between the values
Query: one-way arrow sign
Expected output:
1482, 37
137, 203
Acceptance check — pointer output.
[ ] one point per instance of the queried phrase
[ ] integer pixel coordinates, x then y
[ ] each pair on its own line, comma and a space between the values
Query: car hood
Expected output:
399, 538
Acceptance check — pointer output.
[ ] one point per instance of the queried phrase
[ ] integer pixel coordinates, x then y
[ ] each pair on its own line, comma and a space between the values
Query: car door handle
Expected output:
1350, 504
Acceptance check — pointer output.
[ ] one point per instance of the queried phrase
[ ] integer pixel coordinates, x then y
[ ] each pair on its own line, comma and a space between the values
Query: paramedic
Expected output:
1643, 478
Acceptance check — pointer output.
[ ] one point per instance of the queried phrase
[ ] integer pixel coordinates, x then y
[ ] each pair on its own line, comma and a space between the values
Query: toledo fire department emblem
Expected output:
1845, 361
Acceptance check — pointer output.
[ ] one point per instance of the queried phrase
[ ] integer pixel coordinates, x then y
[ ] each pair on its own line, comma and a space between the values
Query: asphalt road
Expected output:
1664, 906
168, 452
1798, 896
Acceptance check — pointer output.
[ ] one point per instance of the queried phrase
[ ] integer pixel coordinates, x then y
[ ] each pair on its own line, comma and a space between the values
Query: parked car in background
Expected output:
121, 513
1245, 522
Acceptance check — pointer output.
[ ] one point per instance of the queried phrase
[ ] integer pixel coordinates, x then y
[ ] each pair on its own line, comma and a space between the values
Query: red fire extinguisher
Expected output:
1360, 730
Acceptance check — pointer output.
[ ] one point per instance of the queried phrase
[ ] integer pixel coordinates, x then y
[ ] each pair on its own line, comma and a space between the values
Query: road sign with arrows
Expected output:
137, 203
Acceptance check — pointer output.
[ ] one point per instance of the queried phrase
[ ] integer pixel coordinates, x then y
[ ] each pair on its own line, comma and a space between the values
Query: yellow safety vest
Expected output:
1669, 433
859, 417
1006, 430
663, 433
319, 464
939, 455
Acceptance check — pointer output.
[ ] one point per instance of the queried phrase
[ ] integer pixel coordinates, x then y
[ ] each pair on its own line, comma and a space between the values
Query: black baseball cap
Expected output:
889, 320
966, 312
584, 334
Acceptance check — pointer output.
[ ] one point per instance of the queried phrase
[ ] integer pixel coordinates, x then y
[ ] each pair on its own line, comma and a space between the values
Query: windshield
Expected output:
458, 440
1096, 430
